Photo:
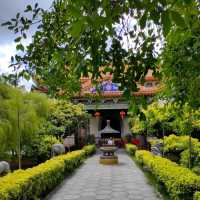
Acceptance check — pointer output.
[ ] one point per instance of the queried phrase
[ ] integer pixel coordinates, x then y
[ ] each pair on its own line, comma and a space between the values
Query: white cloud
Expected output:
6, 51
8, 10
27, 85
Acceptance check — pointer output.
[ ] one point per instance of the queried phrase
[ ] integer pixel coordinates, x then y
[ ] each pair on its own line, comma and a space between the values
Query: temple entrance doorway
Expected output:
118, 121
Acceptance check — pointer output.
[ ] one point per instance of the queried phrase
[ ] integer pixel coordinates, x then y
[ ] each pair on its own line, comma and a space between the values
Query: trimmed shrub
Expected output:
35, 182
197, 196
180, 182
131, 149
89, 150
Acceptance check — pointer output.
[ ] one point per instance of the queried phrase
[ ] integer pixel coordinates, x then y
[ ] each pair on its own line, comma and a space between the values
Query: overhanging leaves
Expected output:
178, 19
86, 35
166, 22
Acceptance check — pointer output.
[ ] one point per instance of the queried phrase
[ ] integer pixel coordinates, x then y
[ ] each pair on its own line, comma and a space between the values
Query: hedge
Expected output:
180, 182
131, 149
36, 182
89, 150
197, 196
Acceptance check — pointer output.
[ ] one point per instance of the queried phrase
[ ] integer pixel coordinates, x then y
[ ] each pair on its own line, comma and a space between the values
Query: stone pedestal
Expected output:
108, 157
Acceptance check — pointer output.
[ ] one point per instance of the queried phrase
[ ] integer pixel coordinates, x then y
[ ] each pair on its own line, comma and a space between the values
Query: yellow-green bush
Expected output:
180, 182
178, 147
174, 143
131, 149
154, 141
35, 182
89, 149
197, 196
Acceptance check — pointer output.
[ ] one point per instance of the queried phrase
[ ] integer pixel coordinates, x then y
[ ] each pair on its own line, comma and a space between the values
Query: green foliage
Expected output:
197, 196
37, 181
154, 141
131, 149
179, 147
181, 183
177, 144
39, 150
90, 139
64, 116
27, 118
89, 150
156, 116
180, 61
166, 117
21, 116
187, 119
72, 37
3, 79
138, 126
182, 119
45, 145
160, 115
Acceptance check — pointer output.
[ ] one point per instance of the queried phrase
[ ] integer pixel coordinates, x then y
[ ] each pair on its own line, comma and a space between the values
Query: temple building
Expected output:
110, 104
107, 103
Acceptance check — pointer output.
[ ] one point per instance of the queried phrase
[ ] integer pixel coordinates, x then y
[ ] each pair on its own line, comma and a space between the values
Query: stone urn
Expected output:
108, 156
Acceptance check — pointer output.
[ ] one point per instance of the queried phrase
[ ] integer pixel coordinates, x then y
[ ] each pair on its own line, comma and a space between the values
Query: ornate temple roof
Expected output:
110, 89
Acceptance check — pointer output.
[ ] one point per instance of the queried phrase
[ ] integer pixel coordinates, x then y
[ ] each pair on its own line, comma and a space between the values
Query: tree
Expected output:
40, 148
182, 119
185, 122
62, 116
154, 119
181, 73
180, 59
72, 39
158, 116
64, 119
21, 115
182, 80
138, 125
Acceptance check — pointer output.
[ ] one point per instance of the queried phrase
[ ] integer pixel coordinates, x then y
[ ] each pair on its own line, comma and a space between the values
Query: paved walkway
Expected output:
93, 181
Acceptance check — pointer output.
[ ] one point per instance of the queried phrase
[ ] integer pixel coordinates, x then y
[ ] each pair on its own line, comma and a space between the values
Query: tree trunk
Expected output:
163, 133
143, 141
76, 135
19, 141
190, 152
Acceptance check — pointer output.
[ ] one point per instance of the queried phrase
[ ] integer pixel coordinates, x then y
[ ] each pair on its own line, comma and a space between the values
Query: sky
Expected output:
8, 10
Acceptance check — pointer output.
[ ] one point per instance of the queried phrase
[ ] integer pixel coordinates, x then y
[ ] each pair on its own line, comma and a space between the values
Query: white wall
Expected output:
125, 128
94, 124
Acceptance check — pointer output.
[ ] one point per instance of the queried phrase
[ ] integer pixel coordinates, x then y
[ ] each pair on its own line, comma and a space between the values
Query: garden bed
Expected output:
14, 164
180, 182
36, 182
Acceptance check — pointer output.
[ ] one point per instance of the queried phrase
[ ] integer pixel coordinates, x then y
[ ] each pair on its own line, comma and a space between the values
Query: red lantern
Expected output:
135, 141
122, 114
97, 114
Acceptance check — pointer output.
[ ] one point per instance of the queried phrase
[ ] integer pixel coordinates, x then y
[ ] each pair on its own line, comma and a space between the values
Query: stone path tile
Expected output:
93, 181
